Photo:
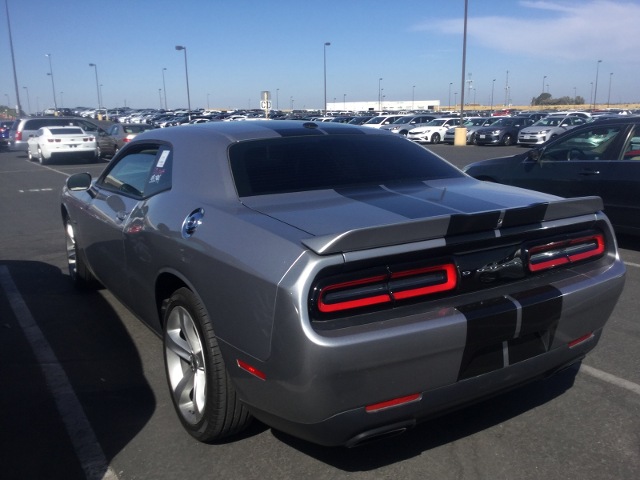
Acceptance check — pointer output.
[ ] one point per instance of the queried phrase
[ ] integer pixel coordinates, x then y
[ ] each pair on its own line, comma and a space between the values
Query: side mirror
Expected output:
534, 155
79, 181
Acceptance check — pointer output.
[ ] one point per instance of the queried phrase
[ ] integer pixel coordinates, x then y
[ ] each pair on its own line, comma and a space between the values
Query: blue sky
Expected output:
238, 48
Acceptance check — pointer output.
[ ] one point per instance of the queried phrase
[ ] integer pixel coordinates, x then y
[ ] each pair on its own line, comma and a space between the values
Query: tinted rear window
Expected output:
293, 164
66, 131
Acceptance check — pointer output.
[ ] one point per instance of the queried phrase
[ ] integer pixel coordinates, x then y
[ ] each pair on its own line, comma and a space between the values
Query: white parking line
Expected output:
85, 443
612, 379
630, 264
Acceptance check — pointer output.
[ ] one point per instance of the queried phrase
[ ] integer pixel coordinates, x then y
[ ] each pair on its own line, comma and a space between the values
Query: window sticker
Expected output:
162, 159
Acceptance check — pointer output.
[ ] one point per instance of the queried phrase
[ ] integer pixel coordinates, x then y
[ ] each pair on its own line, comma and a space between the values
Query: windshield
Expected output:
474, 122
549, 121
438, 122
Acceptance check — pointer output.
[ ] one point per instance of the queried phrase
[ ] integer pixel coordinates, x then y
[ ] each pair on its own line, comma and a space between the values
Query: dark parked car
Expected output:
5, 126
117, 136
503, 132
601, 158
338, 283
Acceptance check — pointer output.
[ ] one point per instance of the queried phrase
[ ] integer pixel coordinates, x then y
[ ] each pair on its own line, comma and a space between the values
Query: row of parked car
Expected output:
47, 138
523, 129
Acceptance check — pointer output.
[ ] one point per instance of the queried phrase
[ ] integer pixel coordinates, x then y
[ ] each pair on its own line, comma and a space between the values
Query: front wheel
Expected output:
201, 390
435, 138
81, 277
507, 140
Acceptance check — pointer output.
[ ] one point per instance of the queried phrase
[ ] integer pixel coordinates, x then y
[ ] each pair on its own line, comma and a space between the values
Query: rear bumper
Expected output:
357, 426
318, 384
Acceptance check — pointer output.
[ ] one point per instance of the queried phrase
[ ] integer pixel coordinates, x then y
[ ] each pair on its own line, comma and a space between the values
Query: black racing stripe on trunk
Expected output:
493, 327
525, 215
382, 198
477, 222
456, 201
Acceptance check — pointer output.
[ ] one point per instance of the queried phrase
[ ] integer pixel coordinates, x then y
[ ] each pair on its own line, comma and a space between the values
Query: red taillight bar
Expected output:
387, 288
554, 254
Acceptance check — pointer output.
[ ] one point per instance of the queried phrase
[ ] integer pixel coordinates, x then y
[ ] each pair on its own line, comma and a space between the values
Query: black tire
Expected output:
98, 155
81, 278
41, 159
201, 390
435, 138
507, 140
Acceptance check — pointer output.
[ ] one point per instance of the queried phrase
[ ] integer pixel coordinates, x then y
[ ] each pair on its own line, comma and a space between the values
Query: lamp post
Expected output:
326, 44
493, 84
13, 62
591, 95
450, 83
95, 67
164, 89
28, 101
543, 82
609, 96
277, 99
53, 86
160, 96
595, 89
186, 72
379, 94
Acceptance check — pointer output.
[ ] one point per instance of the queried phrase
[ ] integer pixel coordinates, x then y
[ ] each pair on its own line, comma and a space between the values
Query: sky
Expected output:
235, 49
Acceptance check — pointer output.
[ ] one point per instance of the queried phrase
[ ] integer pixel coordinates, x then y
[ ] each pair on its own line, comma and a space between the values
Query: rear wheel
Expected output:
201, 390
41, 158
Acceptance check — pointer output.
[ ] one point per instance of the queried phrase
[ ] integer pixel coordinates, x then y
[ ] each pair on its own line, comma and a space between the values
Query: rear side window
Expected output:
142, 172
293, 164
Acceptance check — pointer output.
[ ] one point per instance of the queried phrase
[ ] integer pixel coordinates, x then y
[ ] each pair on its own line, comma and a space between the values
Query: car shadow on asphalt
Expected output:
629, 242
441, 430
99, 358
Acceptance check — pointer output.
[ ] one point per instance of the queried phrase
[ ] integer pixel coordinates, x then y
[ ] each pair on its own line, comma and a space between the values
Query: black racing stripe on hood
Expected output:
381, 197
508, 330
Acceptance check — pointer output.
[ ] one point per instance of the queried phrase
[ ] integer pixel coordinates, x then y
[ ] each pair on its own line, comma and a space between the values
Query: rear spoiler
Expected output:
450, 225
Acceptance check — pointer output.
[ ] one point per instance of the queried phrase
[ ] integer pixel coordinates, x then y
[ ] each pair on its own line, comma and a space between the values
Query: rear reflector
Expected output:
563, 252
581, 339
252, 370
376, 407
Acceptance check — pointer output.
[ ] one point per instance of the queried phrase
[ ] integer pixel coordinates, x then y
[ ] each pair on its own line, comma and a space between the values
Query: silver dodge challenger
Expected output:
338, 283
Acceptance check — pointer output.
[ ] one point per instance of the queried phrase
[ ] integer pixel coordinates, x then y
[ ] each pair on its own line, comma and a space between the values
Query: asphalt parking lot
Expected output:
85, 395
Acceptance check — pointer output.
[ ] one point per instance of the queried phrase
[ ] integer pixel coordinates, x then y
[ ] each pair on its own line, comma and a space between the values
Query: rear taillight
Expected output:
19, 135
385, 288
566, 251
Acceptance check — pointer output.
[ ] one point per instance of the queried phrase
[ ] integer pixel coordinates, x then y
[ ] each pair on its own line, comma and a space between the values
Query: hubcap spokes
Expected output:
185, 365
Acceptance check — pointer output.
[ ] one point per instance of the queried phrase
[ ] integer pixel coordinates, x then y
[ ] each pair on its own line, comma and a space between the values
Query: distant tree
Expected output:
542, 99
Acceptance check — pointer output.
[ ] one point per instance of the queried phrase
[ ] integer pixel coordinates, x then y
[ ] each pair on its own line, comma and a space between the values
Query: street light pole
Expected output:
13, 62
609, 96
53, 86
595, 90
95, 67
379, 94
28, 100
493, 84
164, 89
186, 71
326, 44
